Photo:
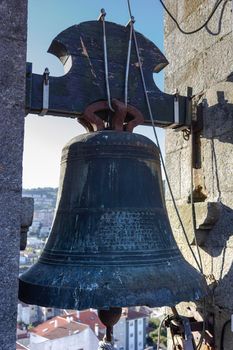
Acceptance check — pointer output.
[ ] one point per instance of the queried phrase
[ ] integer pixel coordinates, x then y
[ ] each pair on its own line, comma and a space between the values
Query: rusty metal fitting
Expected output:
123, 118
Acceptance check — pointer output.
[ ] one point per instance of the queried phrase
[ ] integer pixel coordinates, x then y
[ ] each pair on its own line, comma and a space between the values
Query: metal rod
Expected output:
128, 59
102, 18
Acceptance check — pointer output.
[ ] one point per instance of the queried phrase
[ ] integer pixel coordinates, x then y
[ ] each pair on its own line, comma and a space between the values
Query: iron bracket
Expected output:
45, 107
184, 327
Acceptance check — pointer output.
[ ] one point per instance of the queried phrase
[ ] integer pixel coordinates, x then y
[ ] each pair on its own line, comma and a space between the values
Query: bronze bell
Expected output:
111, 243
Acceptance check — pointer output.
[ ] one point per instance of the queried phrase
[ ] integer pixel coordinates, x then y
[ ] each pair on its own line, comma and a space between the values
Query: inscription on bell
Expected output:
119, 230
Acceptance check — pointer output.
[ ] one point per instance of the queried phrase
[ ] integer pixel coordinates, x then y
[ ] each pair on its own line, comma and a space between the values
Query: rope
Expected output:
102, 18
195, 30
157, 141
128, 60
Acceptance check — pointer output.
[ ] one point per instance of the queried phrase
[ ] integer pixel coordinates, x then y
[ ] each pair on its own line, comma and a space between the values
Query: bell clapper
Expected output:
109, 318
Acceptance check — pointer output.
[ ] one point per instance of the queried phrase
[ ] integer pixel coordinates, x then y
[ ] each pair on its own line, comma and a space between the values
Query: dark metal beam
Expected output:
80, 49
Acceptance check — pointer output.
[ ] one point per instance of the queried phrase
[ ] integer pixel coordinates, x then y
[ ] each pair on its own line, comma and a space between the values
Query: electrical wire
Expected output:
195, 30
157, 141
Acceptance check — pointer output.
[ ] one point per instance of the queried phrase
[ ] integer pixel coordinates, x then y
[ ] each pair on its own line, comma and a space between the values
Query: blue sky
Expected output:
45, 136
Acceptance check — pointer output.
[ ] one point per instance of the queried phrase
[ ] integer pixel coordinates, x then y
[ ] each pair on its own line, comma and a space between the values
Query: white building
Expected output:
62, 334
27, 314
130, 331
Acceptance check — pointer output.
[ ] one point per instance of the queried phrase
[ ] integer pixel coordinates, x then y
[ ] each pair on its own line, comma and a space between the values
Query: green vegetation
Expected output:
153, 333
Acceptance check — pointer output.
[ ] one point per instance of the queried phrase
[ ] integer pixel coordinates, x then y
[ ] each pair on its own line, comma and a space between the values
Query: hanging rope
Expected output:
157, 140
102, 18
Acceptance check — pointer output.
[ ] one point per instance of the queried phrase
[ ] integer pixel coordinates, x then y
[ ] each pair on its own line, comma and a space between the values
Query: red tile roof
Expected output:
58, 327
88, 317
132, 314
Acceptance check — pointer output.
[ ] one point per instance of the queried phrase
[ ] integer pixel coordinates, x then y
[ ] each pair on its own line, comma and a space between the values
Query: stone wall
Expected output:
204, 61
13, 29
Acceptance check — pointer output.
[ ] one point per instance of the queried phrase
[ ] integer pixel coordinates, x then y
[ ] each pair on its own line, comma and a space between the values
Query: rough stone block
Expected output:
219, 25
169, 25
12, 76
185, 172
191, 74
217, 166
13, 26
204, 60
11, 159
206, 215
224, 274
174, 141
13, 15
8, 310
12, 92
180, 48
27, 209
187, 8
217, 112
173, 170
218, 61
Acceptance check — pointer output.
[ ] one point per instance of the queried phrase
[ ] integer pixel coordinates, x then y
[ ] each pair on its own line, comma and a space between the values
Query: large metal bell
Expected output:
111, 243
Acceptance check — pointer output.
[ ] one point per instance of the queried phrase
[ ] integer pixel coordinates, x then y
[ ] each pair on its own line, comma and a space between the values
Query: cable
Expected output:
157, 141
195, 30
199, 345
223, 334
159, 331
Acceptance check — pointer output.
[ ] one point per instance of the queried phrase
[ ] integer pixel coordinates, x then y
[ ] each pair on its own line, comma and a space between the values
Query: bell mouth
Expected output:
79, 287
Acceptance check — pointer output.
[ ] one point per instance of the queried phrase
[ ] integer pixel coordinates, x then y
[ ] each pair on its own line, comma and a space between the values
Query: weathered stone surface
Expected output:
217, 66
220, 24
12, 75
13, 66
178, 141
27, 209
204, 61
187, 8
191, 74
13, 16
218, 102
183, 48
173, 169
206, 215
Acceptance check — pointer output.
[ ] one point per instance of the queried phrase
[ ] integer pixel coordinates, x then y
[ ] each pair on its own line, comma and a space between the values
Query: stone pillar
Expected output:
13, 29
204, 61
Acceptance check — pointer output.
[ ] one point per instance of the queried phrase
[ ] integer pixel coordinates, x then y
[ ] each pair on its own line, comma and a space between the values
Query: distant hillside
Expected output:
44, 198
48, 191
